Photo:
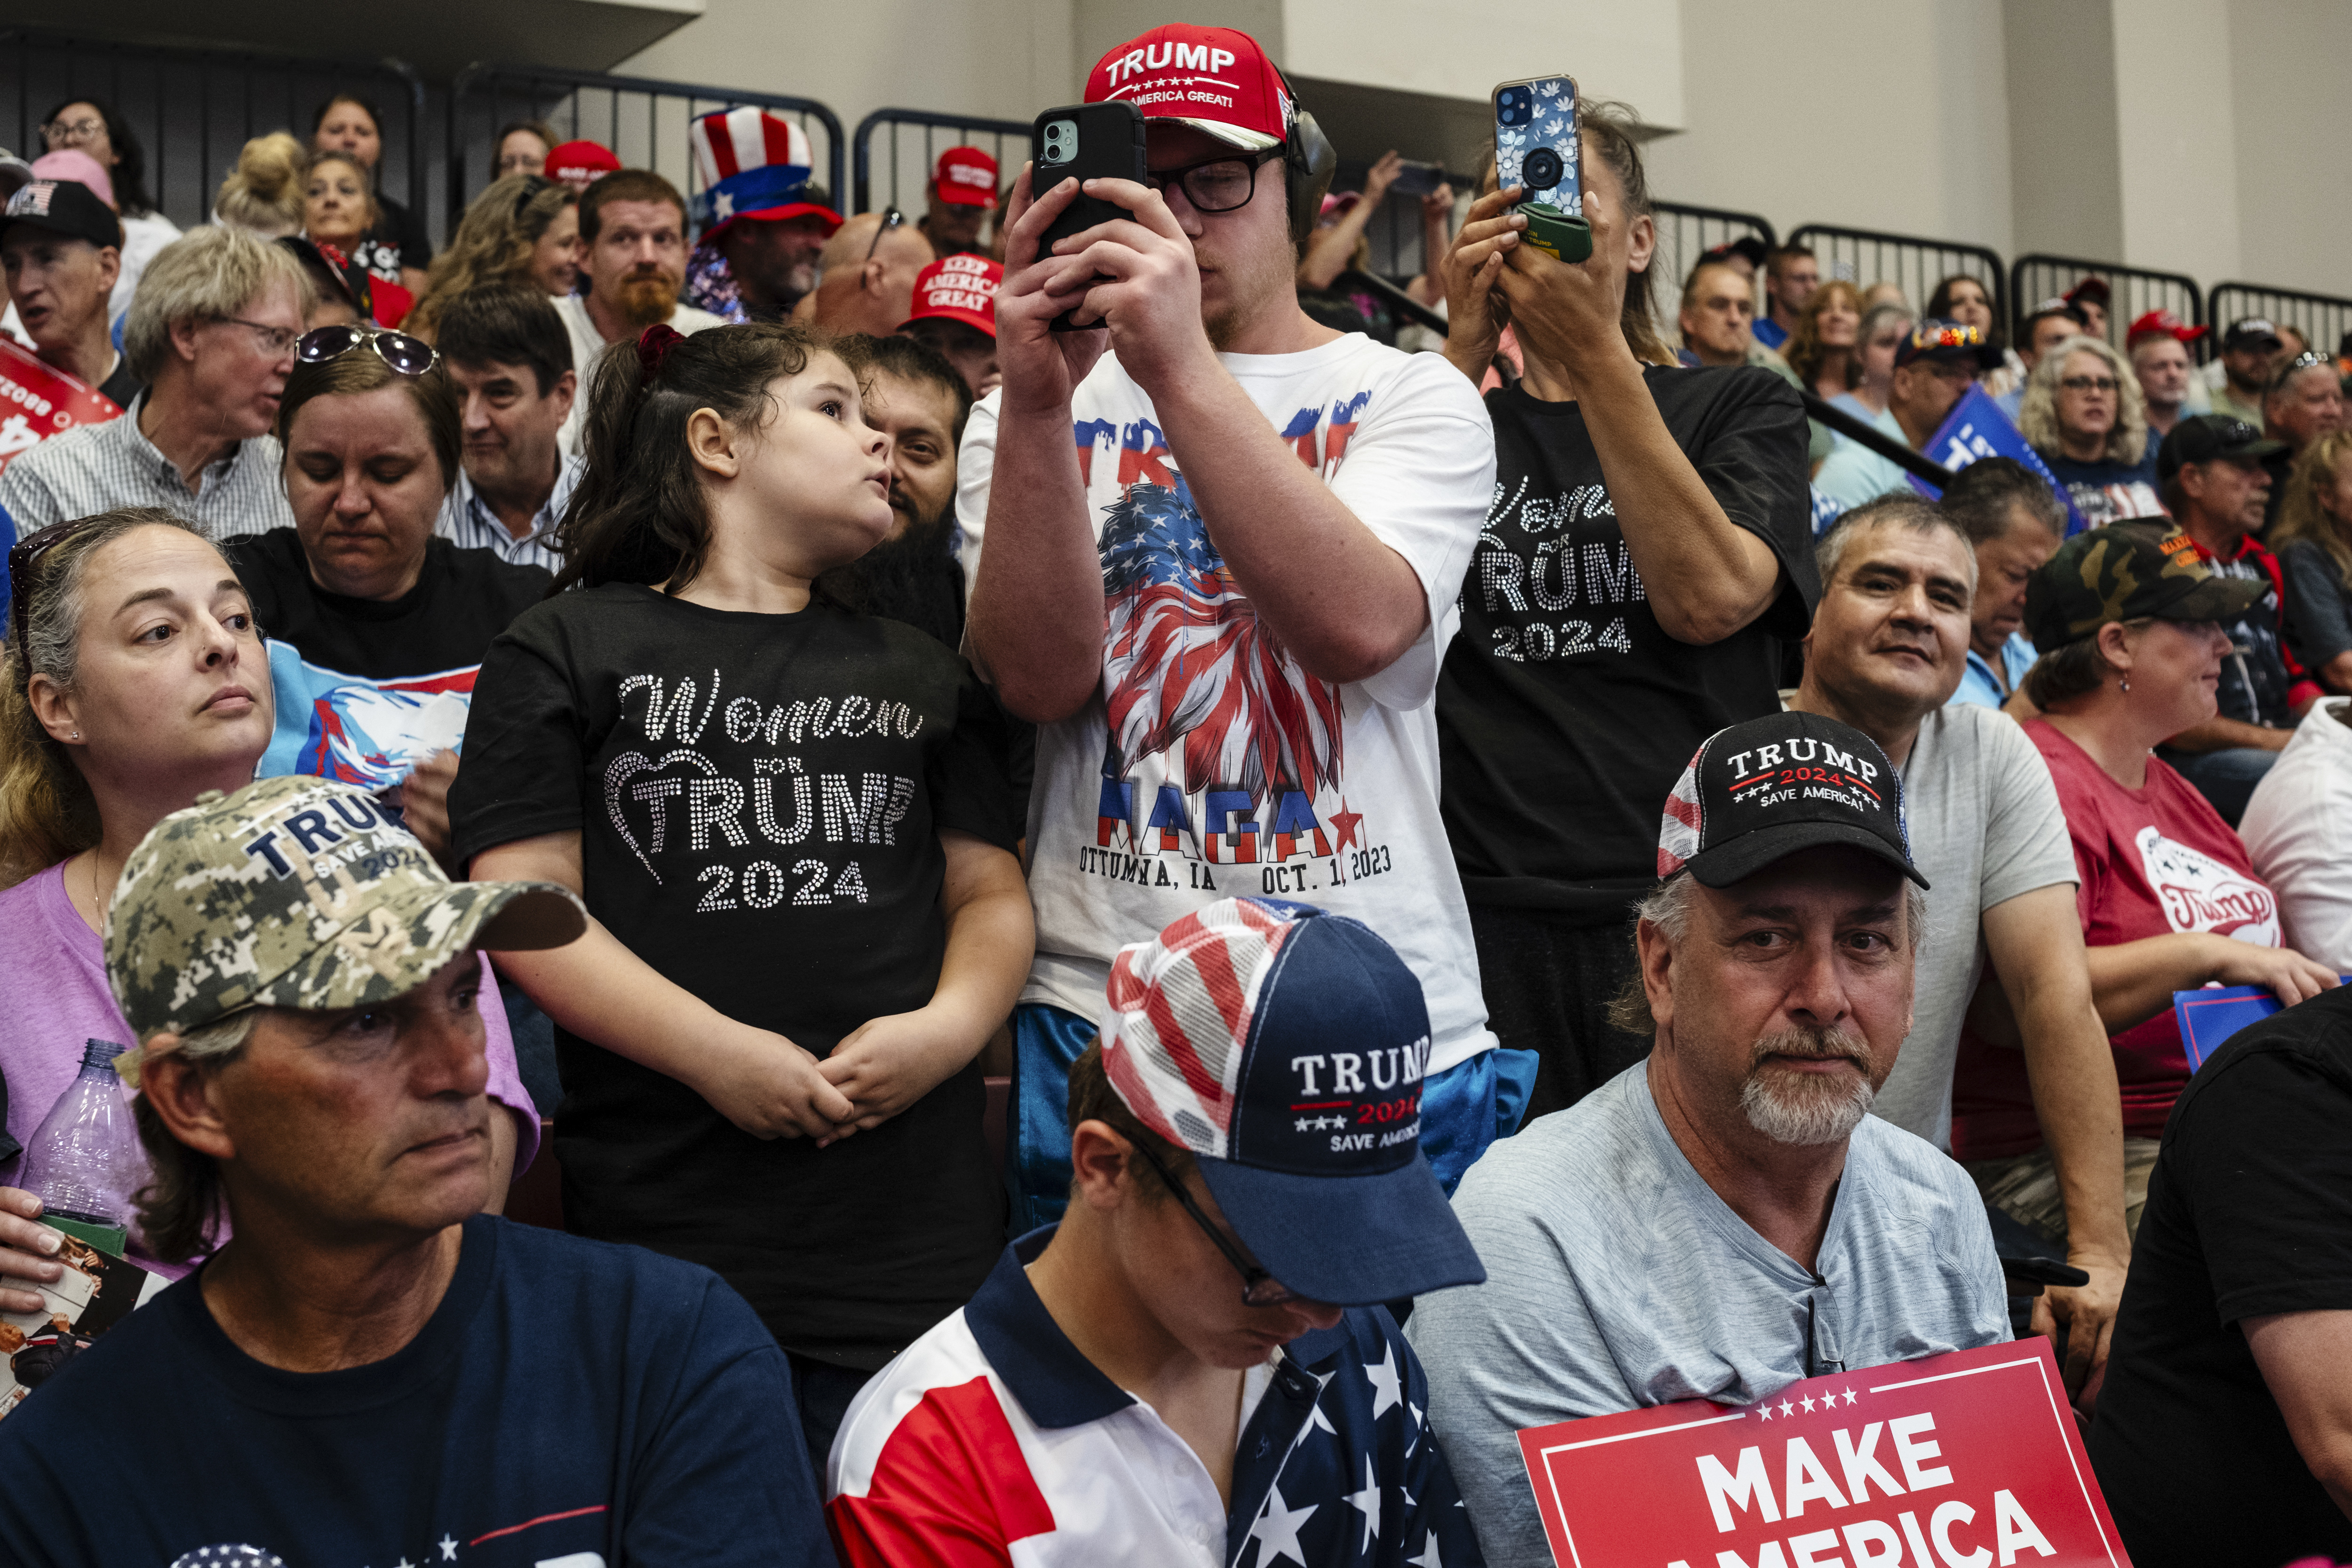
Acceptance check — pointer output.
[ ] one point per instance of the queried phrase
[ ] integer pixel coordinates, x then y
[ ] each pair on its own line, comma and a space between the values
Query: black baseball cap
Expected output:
1947, 342
2252, 333
2142, 567
2091, 287
2207, 438
62, 206
1747, 246
1759, 791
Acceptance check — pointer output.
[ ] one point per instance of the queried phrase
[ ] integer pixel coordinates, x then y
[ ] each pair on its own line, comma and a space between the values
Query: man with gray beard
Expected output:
1723, 1219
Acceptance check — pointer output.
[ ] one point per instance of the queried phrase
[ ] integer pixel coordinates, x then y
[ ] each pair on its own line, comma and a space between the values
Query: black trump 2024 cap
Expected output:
1757, 791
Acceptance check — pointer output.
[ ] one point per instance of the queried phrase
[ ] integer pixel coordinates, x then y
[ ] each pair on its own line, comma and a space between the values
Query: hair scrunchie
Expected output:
653, 345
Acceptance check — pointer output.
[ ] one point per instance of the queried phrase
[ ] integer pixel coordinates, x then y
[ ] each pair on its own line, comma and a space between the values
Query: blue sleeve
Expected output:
1437, 1522
724, 1477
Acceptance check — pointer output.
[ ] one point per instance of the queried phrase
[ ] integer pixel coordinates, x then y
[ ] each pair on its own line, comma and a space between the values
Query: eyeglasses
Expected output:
275, 341
1218, 184
406, 355
1259, 1288
891, 218
2089, 383
65, 133
24, 556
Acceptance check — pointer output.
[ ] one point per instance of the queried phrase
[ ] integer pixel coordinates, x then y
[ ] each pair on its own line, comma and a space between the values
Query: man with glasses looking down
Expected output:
1166, 1383
1216, 552
211, 332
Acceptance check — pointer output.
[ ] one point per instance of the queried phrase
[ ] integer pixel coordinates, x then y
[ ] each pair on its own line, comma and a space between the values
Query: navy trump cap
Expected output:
1285, 1048
1759, 790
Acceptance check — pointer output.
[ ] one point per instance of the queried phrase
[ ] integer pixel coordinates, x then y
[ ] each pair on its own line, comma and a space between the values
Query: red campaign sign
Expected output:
1965, 1461
36, 401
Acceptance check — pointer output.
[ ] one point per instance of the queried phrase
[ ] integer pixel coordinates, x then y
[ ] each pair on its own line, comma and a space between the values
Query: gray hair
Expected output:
1669, 907
1907, 508
2037, 416
1878, 315
210, 275
179, 1209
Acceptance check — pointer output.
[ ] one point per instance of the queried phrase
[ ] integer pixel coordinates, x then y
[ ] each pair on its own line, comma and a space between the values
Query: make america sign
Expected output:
1966, 1460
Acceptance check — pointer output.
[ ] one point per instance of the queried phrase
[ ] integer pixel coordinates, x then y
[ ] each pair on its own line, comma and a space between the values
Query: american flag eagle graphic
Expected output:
1187, 660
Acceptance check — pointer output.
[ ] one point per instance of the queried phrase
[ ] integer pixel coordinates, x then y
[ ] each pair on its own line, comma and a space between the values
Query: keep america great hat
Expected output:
1284, 1047
1757, 791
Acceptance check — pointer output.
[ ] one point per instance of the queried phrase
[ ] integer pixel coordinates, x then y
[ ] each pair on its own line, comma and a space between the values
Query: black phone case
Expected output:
1110, 147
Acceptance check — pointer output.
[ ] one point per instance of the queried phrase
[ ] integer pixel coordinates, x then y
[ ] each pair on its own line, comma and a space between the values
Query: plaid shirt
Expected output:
467, 522
98, 467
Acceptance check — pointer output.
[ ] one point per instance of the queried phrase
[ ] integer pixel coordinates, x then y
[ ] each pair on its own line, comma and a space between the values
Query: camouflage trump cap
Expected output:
2125, 571
299, 892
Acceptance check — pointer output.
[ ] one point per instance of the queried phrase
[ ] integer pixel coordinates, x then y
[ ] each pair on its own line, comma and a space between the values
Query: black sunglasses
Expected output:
24, 556
531, 187
1259, 1288
891, 218
406, 355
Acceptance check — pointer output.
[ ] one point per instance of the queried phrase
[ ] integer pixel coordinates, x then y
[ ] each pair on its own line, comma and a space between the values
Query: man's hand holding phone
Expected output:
1137, 278
1040, 367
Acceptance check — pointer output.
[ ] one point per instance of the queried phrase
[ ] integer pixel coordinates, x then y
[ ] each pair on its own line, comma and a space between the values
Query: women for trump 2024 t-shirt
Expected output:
1208, 764
1566, 712
759, 800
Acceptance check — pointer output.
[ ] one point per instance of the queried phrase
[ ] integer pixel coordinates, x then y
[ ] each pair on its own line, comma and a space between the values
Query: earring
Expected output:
77, 735
2125, 684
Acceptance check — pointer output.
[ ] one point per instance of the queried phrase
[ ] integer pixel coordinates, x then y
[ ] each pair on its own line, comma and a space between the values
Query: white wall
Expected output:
2293, 144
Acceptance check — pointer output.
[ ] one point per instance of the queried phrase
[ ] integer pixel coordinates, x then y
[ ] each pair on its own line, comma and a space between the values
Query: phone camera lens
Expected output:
1541, 170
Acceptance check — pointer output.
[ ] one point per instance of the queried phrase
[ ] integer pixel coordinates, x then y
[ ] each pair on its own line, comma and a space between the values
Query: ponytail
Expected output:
639, 515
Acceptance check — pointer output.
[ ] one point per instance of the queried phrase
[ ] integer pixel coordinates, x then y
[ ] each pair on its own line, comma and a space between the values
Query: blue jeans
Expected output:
2226, 778
1463, 1110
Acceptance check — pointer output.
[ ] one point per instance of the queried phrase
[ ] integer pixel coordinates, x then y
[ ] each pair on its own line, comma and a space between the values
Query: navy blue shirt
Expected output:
567, 1398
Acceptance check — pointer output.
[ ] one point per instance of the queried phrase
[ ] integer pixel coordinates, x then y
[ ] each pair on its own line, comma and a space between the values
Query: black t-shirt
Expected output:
121, 386
399, 239
2249, 1213
1565, 713
916, 578
566, 1402
463, 598
759, 800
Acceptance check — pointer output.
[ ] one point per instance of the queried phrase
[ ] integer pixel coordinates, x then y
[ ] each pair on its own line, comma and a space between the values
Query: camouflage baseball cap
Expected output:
299, 892
2124, 571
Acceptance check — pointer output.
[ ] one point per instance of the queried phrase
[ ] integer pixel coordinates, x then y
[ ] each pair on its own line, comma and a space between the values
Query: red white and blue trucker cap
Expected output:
1763, 789
1285, 1046
1215, 80
753, 167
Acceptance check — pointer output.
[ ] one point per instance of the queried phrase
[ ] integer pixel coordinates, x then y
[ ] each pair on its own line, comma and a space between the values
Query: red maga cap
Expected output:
581, 165
2161, 324
965, 177
957, 288
1215, 79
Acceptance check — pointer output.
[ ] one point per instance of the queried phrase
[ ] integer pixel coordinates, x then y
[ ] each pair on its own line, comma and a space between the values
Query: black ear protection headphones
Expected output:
1311, 161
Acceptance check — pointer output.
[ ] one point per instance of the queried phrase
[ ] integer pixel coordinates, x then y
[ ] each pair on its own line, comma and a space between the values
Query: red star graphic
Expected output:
1345, 821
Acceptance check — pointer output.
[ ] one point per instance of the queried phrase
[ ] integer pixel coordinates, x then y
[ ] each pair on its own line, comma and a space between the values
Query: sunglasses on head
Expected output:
891, 218
531, 187
24, 560
406, 355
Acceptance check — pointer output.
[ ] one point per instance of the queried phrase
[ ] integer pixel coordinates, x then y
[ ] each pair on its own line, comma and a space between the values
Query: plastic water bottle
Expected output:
84, 1161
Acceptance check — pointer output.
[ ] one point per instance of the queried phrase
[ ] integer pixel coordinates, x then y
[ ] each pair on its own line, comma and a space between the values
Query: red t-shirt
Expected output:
2153, 860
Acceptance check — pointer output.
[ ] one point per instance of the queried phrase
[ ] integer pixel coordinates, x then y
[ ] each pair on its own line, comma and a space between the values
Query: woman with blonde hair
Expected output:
2313, 538
1825, 349
521, 230
340, 210
263, 194
2083, 414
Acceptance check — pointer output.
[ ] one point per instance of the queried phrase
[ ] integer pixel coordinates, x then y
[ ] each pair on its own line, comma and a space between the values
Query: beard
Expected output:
647, 298
911, 577
1803, 1108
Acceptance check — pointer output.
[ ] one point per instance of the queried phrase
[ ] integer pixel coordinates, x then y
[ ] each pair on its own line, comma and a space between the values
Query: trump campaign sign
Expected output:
1965, 1461
1977, 428
36, 401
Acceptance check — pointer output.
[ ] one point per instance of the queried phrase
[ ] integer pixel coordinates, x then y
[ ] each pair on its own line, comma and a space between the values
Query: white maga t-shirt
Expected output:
1229, 770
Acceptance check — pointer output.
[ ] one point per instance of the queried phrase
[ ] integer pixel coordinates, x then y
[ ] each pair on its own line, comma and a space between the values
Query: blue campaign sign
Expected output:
1977, 428
2209, 1018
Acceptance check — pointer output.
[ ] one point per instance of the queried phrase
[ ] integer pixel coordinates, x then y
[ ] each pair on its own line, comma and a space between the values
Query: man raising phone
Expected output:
1215, 551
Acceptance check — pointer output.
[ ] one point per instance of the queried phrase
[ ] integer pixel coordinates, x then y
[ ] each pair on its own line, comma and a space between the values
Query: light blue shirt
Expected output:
1977, 687
1617, 1279
1853, 474
2012, 401
467, 522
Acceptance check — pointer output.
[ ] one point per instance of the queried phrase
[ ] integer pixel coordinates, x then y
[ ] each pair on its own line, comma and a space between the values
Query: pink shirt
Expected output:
58, 997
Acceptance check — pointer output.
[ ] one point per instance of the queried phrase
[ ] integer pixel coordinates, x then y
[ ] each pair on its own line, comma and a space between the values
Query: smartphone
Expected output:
1536, 149
1087, 141
1415, 178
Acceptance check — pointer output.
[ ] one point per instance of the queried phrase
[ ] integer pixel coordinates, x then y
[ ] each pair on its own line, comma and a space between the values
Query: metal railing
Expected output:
2133, 291
643, 119
906, 159
1913, 263
2322, 318
1685, 234
193, 109
1875, 440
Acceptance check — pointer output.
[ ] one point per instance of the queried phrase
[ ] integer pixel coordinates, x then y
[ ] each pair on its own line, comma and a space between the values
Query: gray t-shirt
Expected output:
1985, 826
1616, 1279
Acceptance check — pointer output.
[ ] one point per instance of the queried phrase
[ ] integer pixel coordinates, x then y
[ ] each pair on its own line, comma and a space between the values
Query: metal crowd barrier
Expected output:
2134, 291
2324, 319
193, 109
1915, 263
911, 141
642, 120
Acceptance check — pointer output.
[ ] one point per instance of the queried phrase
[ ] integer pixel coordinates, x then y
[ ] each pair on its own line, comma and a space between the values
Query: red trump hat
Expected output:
1213, 79
958, 289
581, 165
965, 177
